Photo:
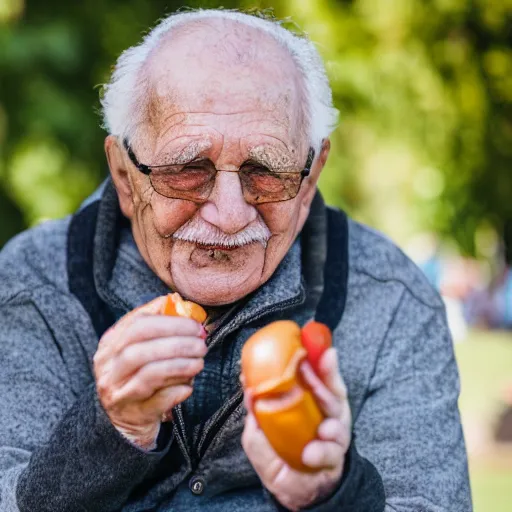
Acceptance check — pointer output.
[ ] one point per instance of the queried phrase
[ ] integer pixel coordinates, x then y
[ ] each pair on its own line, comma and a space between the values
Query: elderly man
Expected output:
218, 131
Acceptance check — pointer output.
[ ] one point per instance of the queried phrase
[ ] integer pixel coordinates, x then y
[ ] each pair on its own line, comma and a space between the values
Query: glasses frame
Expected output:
147, 169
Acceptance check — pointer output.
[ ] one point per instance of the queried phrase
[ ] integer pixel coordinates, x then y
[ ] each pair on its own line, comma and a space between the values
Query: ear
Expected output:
120, 175
318, 165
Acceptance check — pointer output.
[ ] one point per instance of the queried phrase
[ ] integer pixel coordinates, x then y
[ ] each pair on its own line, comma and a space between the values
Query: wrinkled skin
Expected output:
143, 367
228, 93
227, 108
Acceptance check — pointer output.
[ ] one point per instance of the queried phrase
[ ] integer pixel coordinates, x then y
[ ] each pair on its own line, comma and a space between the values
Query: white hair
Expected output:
125, 96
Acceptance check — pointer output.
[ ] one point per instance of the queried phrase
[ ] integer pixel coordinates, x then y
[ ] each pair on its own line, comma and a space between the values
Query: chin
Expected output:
216, 278
218, 289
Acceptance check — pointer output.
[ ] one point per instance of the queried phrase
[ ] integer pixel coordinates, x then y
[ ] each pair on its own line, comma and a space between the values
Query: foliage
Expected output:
424, 90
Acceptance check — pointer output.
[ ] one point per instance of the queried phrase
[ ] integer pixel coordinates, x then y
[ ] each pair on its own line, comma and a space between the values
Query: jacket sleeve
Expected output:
409, 424
57, 451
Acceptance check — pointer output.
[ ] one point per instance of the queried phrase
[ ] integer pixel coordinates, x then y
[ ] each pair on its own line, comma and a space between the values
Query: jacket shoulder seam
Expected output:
28, 294
429, 304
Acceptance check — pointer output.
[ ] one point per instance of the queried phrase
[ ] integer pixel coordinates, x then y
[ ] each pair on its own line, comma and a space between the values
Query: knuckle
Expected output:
183, 348
203, 349
145, 389
130, 356
144, 377
185, 367
107, 336
195, 348
107, 399
196, 365
175, 348
341, 388
181, 325
98, 359
191, 369
102, 385
173, 397
183, 393
134, 330
138, 389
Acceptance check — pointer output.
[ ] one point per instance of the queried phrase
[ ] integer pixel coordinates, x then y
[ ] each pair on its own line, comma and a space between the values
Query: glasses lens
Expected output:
194, 183
264, 186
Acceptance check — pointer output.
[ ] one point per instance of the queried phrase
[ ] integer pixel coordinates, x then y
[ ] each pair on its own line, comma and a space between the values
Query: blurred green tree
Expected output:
424, 91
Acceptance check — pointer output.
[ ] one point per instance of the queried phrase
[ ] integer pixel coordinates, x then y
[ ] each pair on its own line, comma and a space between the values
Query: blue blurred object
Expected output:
432, 269
503, 301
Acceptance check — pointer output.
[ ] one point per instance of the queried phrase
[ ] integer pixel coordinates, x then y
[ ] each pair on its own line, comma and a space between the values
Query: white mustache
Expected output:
200, 232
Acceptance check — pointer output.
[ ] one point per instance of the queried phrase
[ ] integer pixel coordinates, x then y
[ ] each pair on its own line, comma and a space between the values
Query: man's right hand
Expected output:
143, 367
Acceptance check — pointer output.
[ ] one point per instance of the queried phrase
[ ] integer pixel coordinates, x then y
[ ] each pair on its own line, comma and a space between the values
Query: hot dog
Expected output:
284, 407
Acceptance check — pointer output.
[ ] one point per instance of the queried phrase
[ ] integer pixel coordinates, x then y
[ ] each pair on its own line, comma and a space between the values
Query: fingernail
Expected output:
202, 332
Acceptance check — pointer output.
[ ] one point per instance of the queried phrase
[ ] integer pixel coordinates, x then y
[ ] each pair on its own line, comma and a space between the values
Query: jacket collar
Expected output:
124, 280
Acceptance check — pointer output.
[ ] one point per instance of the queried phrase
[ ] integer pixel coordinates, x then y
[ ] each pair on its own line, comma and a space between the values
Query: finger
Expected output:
334, 430
248, 400
329, 403
330, 375
135, 356
151, 308
145, 328
323, 455
163, 401
159, 374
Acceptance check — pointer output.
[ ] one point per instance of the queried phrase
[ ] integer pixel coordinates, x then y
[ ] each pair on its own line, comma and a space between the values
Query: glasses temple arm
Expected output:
309, 162
131, 155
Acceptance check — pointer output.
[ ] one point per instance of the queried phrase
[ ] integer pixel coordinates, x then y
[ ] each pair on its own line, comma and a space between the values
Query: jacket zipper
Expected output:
181, 435
236, 400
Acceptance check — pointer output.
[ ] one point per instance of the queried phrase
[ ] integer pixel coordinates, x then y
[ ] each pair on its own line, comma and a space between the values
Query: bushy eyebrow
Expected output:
273, 157
186, 154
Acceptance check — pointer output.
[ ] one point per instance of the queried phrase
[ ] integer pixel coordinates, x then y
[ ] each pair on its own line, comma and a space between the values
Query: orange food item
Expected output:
173, 305
285, 409
176, 306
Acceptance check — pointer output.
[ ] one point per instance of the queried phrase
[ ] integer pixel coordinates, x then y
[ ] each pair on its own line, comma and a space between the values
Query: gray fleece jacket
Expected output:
59, 452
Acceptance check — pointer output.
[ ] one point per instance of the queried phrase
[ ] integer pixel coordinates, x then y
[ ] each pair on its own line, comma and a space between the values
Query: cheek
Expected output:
155, 219
280, 218
165, 216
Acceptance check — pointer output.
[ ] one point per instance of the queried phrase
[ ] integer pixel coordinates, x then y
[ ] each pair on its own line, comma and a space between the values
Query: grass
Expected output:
485, 364
492, 490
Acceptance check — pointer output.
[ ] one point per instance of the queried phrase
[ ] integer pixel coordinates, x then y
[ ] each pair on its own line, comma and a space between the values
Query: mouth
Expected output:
208, 247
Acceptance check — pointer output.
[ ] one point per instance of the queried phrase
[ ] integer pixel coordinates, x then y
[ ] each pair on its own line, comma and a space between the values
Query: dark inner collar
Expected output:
124, 280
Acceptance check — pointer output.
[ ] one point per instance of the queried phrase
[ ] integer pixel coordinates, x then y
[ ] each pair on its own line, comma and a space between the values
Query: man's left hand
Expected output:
294, 489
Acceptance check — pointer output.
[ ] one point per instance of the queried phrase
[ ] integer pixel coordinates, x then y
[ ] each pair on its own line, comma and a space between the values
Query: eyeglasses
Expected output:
194, 181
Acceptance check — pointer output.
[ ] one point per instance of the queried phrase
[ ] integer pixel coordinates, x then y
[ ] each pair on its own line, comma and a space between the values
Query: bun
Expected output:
284, 407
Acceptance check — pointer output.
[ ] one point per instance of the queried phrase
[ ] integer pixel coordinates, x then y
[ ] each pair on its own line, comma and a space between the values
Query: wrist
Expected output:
144, 438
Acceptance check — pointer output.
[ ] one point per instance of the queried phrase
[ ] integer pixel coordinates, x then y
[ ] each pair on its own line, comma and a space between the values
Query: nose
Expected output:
226, 207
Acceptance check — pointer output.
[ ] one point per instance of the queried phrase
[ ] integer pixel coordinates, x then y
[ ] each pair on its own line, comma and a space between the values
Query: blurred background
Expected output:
423, 152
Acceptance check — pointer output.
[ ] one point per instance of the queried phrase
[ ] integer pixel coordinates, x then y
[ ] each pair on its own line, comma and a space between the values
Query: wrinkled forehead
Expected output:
223, 68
